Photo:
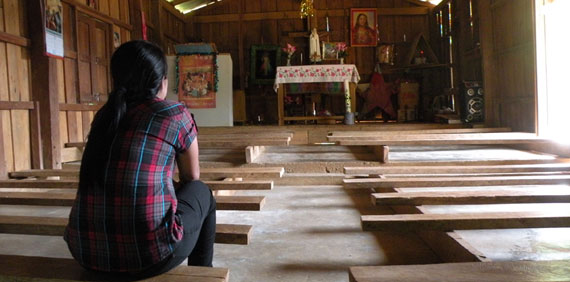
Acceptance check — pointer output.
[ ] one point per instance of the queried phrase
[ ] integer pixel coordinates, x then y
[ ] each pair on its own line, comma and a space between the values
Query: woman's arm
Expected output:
188, 163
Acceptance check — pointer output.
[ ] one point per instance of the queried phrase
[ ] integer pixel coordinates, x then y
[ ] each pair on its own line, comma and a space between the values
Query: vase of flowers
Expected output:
342, 51
289, 50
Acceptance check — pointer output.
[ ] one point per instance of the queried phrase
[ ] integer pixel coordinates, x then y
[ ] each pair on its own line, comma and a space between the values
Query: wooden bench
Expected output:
55, 226
50, 198
205, 173
72, 184
467, 272
469, 197
463, 169
44, 269
438, 181
380, 144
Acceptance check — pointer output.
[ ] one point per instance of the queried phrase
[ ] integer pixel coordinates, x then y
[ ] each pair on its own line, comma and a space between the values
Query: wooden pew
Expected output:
467, 272
44, 269
440, 139
72, 184
205, 173
244, 203
350, 134
463, 169
380, 143
436, 181
55, 226
464, 221
469, 197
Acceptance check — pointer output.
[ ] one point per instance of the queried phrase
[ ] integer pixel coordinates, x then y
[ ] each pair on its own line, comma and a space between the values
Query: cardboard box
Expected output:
408, 98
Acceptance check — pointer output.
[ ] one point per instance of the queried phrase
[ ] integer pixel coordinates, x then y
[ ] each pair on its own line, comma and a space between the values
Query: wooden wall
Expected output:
15, 84
84, 72
236, 25
507, 42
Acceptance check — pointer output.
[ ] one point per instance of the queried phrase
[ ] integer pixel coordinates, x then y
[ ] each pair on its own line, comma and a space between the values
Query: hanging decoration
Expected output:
307, 8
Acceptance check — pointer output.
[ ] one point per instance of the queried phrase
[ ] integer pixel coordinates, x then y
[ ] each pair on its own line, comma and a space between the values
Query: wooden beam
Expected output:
35, 137
367, 183
9, 105
382, 153
79, 107
73, 184
15, 39
3, 168
50, 269
55, 226
468, 271
467, 221
249, 203
470, 197
417, 11
464, 169
45, 88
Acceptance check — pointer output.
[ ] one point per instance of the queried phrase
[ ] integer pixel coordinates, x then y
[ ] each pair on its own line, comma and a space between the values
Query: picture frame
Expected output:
264, 62
329, 51
363, 27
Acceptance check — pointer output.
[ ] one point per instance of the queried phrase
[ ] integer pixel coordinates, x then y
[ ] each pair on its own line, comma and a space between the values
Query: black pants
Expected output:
197, 210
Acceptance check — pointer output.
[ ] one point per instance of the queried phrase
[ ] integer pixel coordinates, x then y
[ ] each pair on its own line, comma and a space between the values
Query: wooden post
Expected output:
241, 60
36, 138
280, 105
156, 11
136, 18
44, 87
3, 169
381, 153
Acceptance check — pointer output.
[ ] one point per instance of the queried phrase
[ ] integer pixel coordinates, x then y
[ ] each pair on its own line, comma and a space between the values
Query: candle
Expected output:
301, 58
328, 29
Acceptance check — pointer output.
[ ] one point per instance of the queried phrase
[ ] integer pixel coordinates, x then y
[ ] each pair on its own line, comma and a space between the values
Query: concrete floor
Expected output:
312, 232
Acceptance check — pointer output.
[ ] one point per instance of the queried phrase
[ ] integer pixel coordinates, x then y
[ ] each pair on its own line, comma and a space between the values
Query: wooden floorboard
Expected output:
467, 272
468, 221
55, 226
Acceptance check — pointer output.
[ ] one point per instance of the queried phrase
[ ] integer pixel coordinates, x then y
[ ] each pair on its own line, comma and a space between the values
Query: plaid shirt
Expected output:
129, 223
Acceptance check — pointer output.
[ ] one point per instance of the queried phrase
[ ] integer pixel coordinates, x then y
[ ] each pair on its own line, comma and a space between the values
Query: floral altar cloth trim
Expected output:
316, 73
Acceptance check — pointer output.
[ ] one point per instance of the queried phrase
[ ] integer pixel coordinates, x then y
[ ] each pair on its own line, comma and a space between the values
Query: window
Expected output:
553, 61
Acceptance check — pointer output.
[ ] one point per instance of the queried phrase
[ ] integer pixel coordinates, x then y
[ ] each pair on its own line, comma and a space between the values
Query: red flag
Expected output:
143, 23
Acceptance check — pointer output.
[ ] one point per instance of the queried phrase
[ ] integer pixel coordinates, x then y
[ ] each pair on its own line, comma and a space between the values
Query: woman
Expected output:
362, 34
127, 217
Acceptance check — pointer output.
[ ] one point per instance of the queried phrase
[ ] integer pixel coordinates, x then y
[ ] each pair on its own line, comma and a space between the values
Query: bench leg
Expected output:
381, 152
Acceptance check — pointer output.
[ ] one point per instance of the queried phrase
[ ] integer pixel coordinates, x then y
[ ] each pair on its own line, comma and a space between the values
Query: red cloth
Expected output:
378, 95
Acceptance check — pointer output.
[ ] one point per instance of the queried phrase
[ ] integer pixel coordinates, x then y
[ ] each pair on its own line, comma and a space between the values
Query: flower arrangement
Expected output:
290, 49
342, 50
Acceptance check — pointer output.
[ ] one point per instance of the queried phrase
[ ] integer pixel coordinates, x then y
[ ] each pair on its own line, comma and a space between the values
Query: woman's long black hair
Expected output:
137, 68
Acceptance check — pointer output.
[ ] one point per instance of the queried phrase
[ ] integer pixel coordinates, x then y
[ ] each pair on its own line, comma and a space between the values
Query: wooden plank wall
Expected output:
74, 125
236, 25
15, 84
507, 42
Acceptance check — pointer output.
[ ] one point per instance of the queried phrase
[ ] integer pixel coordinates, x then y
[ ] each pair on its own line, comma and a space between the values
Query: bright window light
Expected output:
553, 60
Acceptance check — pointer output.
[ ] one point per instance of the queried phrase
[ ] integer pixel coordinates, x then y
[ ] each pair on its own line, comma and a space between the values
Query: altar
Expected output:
347, 74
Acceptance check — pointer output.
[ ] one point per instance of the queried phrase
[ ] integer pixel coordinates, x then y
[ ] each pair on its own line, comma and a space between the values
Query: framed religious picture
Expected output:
264, 62
363, 27
330, 51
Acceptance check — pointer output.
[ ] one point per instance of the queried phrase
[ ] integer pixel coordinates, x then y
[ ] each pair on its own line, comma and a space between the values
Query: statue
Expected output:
314, 47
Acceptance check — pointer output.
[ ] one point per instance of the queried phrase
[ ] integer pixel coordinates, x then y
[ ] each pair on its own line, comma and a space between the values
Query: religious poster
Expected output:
197, 80
363, 27
54, 28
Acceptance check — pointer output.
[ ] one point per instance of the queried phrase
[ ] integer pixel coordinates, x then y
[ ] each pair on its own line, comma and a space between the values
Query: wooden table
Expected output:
348, 74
